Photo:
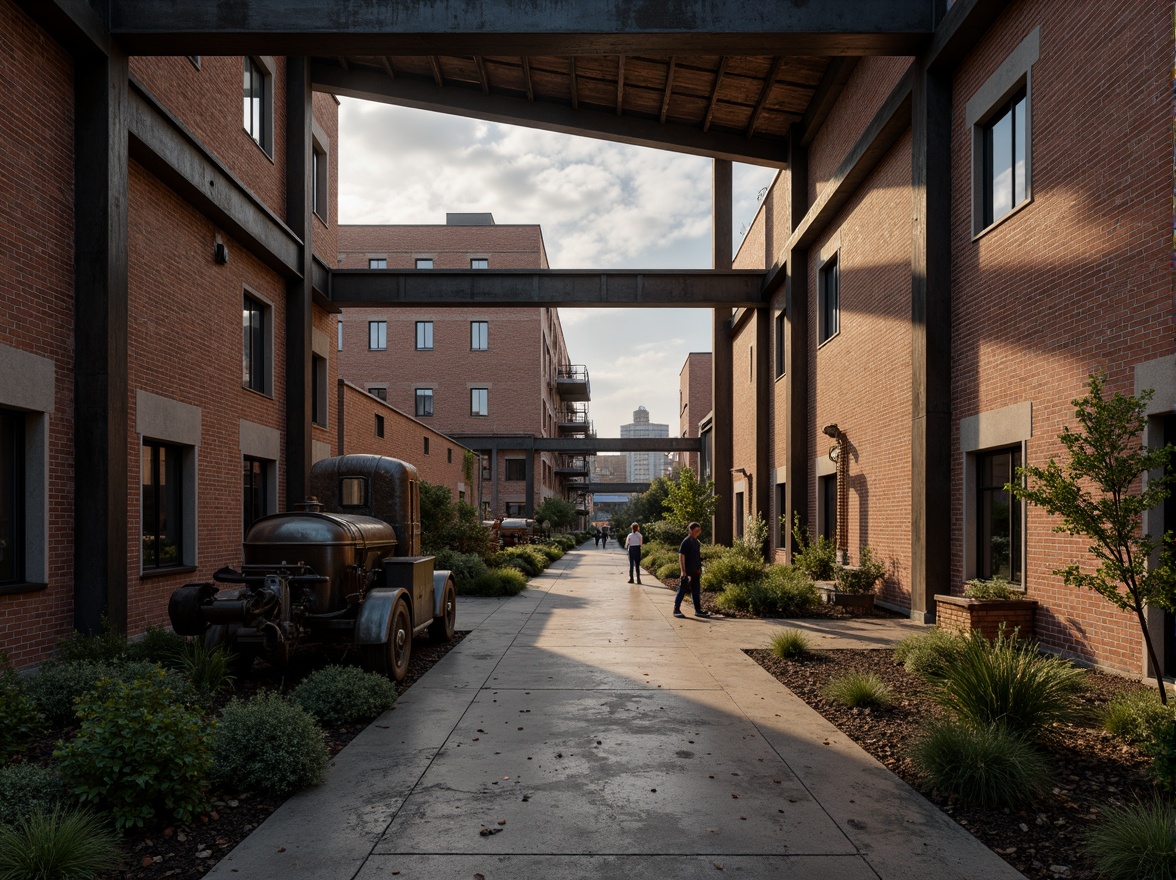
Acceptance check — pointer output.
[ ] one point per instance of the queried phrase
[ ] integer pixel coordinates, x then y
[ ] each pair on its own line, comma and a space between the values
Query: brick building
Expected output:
694, 400
948, 358
491, 378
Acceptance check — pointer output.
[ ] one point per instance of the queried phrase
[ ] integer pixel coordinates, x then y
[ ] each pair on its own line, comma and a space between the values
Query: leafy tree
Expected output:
446, 525
557, 511
690, 501
649, 506
1095, 495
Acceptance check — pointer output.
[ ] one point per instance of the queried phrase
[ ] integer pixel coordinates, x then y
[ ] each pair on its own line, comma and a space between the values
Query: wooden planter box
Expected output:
957, 614
854, 601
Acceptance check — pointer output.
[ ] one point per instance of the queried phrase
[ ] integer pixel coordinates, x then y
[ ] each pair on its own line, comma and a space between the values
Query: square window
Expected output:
353, 492
829, 300
1005, 159
255, 503
318, 390
998, 516
379, 426
257, 340
516, 469
479, 401
377, 335
477, 263
424, 402
424, 335
380, 391
258, 103
479, 335
162, 505
377, 263
780, 345
424, 263
12, 496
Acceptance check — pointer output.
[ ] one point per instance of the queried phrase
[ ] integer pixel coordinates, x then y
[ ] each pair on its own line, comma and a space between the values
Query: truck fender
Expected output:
440, 579
375, 615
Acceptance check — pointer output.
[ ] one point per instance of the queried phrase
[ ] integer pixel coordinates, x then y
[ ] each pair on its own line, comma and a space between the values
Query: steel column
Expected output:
796, 426
722, 394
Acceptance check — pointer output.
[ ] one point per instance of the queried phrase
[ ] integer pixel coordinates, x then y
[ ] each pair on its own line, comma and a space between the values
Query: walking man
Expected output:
690, 565
597, 536
604, 537
633, 542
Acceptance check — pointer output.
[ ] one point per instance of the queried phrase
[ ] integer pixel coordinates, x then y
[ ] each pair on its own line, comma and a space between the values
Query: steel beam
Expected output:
373, 85
522, 27
604, 488
569, 288
579, 445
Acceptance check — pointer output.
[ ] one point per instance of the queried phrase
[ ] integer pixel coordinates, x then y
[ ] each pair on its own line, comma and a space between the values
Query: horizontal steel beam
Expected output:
581, 445
569, 288
517, 110
606, 488
522, 27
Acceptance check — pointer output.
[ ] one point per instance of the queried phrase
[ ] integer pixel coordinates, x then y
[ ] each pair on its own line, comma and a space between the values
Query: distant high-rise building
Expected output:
642, 467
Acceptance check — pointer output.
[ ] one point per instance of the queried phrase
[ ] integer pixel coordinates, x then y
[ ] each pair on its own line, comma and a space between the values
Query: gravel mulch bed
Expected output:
1093, 770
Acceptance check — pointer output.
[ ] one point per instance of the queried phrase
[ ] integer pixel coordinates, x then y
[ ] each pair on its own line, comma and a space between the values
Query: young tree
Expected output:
557, 511
690, 501
1099, 495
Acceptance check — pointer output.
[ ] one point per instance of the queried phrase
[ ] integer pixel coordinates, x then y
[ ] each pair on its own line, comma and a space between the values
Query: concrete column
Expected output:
931, 342
101, 384
722, 366
299, 292
796, 364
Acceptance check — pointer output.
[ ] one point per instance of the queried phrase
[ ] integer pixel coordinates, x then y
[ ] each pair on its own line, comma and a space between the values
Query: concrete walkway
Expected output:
597, 736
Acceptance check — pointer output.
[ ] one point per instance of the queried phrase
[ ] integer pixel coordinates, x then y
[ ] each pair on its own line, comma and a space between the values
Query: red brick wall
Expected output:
326, 230
695, 393
36, 300
1078, 279
451, 247
743, 420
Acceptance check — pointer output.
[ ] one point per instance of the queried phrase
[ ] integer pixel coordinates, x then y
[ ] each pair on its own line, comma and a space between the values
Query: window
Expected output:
426, 439
318, 390
256, 490
377, 263
485, 456
998, 516
424, 335
380, 391
162, 505
320, 170
516, 469
379, 426
353, 492
1005, 166
257, 329
340, 326
12, 496
449, 456
377, 335
827, 497
516, 508
478, 263
258, 95
479, 335
424, 263
780, 345
751, 363
739, 516
479, 401
424, 402
829, 304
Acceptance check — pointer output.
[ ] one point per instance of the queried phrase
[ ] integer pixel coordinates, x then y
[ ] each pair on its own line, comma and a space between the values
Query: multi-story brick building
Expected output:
694, 400
496, 379
1042, 163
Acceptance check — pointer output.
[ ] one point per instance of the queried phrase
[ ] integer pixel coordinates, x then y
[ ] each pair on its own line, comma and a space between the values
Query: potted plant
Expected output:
855, 584
987, 605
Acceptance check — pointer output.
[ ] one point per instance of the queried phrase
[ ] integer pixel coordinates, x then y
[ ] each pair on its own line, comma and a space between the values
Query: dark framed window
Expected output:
479, 401
353, 492
829, 300
479, 263
318, 390
516, 508
740, 517
424, 263
1005, 164
998, 516
340, 332
377, 263
780, 345
255, 359
449, 456
426, 446
379, 426
479, 335
12, 496
516, 469
485, 456
162, 505
377, 335
258, 103
320, 171
379, 391
424, 335
827, 487
424, 402
255, 503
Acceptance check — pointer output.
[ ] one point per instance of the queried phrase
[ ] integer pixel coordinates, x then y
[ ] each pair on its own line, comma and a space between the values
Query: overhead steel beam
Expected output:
523, 27
72, 23
570, 288
373, 85
828, 92
579, 445
608, 488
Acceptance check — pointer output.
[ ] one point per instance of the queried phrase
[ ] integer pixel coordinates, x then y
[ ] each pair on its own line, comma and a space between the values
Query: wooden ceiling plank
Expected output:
669, 88
436, 64
572, 85
527, 78
620, 83
482, 75
388, 69
714, 96
344, 63
769, 82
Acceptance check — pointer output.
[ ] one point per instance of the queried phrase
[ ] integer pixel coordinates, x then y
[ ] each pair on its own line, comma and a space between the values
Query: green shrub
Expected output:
861, 579
731, 569
267, 744
158, 645
755, 538
1008, 682
985, 766
553, 553
1136, 842
137, 753
338, 695
651, 547
664, 533
994, 588
859, 689
816, 559
527, 560
783, 592
25, 788
1137, 716
790, 644
656, 561
668, 570
709, 553
58, 845
209, 669
107, 647
930, 654
20, 719
57, 685
1162, 750
464, 566
496, 582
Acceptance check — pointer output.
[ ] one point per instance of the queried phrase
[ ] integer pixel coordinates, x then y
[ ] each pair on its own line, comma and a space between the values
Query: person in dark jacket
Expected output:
690, 565
597, 536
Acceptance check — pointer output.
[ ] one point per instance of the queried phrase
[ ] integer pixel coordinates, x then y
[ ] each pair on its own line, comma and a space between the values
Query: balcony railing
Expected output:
571, 382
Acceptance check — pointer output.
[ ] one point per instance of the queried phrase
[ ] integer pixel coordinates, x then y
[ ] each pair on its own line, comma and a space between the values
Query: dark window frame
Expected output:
255, 324
420, 396
424, 335
482, 336
515, 470
318, 390
423, 263
172, 461
829, 299
484, 261
13, 426
1015, 111
485, 399
379, 425
378, 334
781, 365
255, 488
258, 103
989, 495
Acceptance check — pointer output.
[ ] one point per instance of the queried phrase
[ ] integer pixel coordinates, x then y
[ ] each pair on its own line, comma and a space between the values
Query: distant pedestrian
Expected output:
690, 566
597, 536
633, 542
604, 537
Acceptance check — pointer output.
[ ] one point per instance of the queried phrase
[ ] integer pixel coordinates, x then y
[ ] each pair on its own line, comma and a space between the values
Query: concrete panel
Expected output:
162, 418
259, 441
1000, 427
27, 381
1160, 376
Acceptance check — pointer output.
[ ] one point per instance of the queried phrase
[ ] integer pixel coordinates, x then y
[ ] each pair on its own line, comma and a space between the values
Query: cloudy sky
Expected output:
601, 206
